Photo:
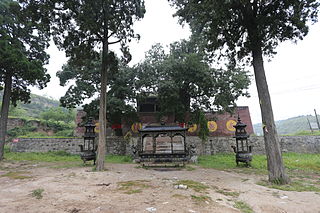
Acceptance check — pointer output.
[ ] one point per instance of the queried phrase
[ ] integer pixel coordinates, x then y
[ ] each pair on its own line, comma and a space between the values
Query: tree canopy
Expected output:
184, 81
23, 40
86, 28
245, 31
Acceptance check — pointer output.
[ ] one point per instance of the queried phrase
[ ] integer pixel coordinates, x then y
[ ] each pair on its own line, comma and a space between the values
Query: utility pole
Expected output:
317, 119
310, 125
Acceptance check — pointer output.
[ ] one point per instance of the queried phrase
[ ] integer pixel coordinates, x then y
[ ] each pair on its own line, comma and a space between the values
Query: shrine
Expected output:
162, 144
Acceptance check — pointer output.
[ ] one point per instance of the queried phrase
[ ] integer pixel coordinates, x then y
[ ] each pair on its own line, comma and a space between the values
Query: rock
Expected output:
180, 186
151, 209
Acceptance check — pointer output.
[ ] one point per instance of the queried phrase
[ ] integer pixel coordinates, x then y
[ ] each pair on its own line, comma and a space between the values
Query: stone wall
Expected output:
118, 145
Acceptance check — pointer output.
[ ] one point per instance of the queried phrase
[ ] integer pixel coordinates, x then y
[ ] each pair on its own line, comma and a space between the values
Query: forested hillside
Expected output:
40, 118
291, 125
37, 105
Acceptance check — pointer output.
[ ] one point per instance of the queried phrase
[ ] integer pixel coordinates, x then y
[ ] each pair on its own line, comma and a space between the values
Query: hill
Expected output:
290, 125
37, 105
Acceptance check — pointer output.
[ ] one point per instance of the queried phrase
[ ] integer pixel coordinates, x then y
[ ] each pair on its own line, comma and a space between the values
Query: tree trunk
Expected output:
102, 110
274, 157
4, 112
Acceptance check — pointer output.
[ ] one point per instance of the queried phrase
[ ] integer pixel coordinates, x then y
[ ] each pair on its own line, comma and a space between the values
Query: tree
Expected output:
83, 27
184, 81
245, 31
23, 39
87, 83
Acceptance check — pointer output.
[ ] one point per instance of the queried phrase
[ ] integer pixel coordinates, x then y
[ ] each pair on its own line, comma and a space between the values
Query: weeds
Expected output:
297, 185
243, 207
227, 192
37, 193
132, 187
201, 199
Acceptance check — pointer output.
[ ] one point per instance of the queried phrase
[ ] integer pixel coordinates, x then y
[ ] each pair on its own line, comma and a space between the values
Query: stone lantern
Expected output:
88, 149
242, 149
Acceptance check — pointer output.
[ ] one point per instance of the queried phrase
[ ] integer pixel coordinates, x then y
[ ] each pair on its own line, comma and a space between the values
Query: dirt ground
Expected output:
128, 188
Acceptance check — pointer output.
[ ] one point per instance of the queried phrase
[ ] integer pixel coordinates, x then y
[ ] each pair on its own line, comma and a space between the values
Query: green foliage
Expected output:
23, 130
235, 28
184, 81
22, 51
58, 114
37, 193
200, 119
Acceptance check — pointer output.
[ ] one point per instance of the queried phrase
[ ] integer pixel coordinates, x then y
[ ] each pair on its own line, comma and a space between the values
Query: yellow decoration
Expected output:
97, 128
193, 128
212, 126
135, 127
230, 125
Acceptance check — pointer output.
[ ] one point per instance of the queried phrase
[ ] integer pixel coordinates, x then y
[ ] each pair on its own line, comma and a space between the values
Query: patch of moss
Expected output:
132, 187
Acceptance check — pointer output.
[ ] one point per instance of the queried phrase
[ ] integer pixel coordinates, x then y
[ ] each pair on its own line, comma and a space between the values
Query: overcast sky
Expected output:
293, 74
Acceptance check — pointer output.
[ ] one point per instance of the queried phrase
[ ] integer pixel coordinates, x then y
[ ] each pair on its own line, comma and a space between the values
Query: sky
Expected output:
293, 74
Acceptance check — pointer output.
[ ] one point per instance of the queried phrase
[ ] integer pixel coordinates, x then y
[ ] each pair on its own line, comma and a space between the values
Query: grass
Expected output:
227, 192
15, 175
292, 161
133, 187
201, 198
196, 186
296, 185
62, 158
243, 207
37, 193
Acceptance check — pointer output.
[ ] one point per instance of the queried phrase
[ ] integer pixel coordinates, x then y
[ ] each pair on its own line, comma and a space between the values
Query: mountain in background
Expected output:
38, 104
291, 125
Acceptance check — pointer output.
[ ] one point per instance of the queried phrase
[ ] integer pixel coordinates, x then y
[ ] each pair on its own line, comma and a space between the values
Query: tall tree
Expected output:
87, 84
83, 27
184, 81
23, 39
247, 30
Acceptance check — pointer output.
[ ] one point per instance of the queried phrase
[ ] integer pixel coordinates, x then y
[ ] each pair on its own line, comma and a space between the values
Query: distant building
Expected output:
218, 124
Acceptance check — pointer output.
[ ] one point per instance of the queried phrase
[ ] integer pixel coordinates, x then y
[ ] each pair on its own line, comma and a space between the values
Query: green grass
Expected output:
305, 132
227, 161
243, 207
200, 199
296, 185
292, 161
133, 187
58, 157
16, 175
118, 159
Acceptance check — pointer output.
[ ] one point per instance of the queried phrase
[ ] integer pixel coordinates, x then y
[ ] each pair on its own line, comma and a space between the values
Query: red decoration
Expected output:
116, 126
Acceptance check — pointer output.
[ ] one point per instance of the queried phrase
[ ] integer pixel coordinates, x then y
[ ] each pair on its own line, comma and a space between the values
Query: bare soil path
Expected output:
128, 188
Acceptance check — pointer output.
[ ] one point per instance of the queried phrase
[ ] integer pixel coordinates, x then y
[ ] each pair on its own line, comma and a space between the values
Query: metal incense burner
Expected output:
242, 149
88, 149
